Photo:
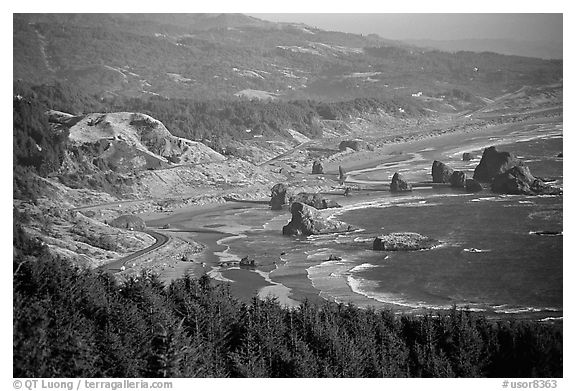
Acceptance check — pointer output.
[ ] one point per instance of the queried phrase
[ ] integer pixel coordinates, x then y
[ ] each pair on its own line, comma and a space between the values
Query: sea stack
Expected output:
341, 175
441, 173
280, 195
519, 180
399, 184
472, 186
458, 179
307, 220
494, 163
315, 200
403, 241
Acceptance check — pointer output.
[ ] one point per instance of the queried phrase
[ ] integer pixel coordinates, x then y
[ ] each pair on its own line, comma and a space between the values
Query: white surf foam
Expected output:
277, 290
362, 267
367, 288
513, 309
476, 250
551, 319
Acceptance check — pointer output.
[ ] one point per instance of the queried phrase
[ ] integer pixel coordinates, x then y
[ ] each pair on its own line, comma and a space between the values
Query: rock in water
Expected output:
398, 184
341, 175
280, 195
441, 173
315, 200
541, 188
317, 167
458, 179
473, 186
306, 220
519, 180
467, 156
494, 163
246, 261
516, 180
403, 241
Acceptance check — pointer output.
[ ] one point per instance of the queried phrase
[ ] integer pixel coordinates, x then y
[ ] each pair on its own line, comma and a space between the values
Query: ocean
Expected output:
492, 258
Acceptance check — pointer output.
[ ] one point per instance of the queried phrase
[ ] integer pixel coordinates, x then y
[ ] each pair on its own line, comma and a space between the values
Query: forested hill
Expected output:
80, 323
232, 55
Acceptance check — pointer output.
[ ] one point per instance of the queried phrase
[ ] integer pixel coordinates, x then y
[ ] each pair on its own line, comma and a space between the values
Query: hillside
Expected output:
133, 140
112, 159
223, 56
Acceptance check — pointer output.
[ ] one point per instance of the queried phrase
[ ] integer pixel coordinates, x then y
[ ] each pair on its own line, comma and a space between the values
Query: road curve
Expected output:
115, 266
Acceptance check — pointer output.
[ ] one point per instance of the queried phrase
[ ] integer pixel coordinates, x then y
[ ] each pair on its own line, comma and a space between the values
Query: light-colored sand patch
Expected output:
256, 94
276, 290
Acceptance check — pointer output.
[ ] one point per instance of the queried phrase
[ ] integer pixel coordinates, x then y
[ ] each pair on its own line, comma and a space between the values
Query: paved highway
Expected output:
115, 266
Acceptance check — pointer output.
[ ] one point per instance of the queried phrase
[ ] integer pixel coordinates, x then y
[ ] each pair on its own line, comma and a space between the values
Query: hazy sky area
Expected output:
522, 27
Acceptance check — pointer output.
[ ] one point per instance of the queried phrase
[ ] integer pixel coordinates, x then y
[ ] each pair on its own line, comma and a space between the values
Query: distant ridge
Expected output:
544, 50
222, 56
151, 23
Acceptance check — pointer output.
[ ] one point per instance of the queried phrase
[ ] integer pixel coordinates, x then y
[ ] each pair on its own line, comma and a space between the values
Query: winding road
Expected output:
116, 266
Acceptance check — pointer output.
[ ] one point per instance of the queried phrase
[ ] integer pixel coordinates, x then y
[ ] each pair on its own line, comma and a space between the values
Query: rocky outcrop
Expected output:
307, 220
134, 141
403, 241
315, 200
247, 261
516, 180
341, 175
494, 163
131, 222
519, 180
317, 167
541, 188
458, 179
467, 156
441, 173
357, 145
399, 184
473, 186
280, 195
61, 118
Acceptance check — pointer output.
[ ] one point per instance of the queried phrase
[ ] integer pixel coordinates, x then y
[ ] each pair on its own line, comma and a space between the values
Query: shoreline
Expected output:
514, 312
246, 284
367, 159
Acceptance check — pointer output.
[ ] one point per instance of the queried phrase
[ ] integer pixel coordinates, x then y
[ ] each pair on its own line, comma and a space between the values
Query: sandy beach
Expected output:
393, 151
